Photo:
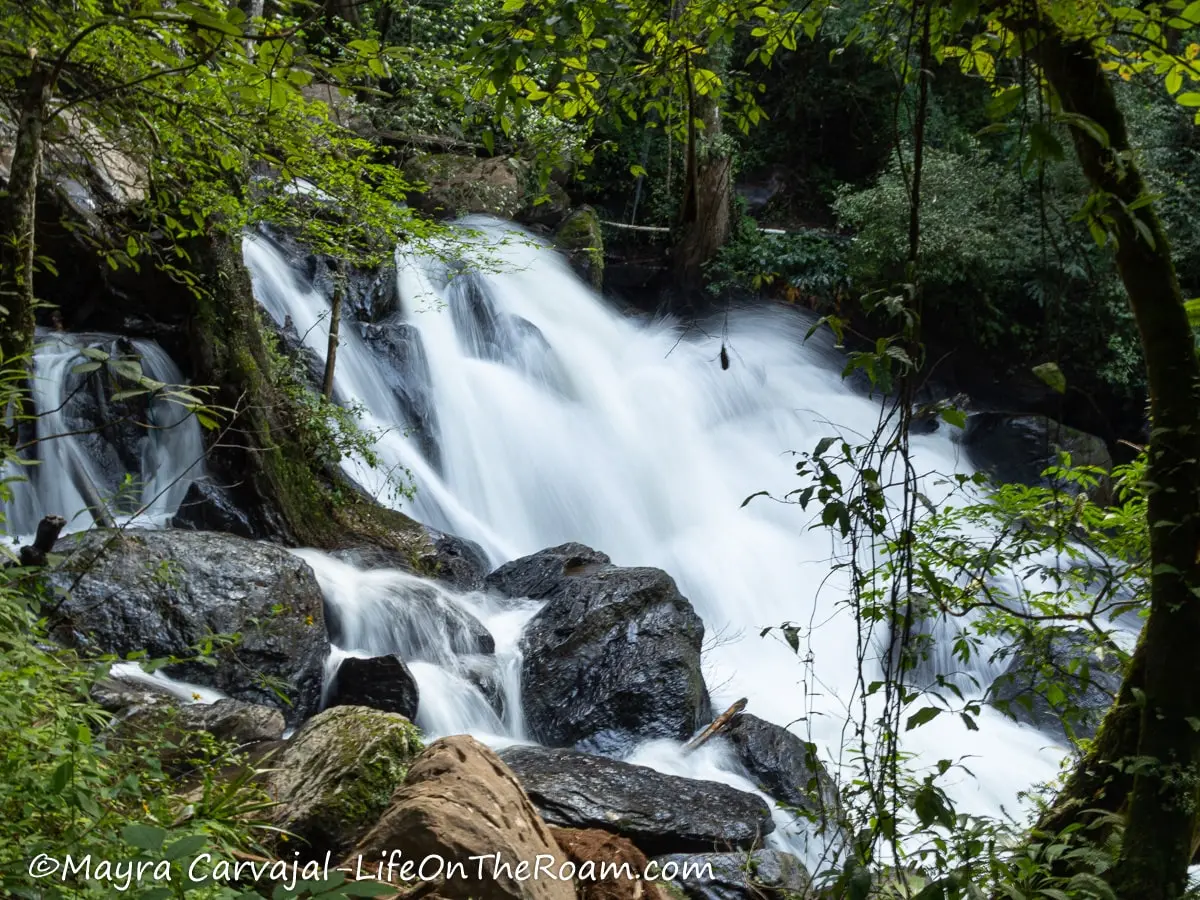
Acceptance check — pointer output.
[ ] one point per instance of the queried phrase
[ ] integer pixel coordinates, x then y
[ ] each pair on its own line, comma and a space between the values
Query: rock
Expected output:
406, 371
118, 695
555, 205
448, 558
760, 875
580, 238
783, 766
594, 852
1017, 449
334, 778
659, 813
206, 507
459, 185
1062, 685
232, 720
614, 655
460, 802
166, 592
379, 682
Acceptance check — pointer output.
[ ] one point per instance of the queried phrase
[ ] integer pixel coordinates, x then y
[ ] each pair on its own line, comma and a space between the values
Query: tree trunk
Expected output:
335, 323
17, 251
343, 9
708, 194
1163, 795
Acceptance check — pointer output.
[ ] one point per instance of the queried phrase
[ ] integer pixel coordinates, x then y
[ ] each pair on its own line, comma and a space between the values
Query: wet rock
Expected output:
380, 682
456, 562
1062, 685
406, 370
659, 813
207, 507
1018, 449
165, 592
334, 778
782, 765
458, 802
760, 875
595, 852
614, 655
580, 237
118, 695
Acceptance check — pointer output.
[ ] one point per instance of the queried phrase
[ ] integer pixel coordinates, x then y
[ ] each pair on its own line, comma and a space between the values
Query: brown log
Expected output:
48, 531
719, 724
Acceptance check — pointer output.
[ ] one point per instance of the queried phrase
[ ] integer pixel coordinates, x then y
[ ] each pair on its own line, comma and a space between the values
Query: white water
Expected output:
74, 451
621, 435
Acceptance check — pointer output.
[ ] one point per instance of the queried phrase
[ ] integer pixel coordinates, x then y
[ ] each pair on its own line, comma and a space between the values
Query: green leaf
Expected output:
144, 837
952, 415
637, 171
921, 716
187, 846
1051, 375
1189, 98
86, 368
752, 496
131, 246
61, 776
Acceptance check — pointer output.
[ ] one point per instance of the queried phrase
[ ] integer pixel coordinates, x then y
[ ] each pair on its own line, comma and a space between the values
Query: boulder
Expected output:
334, 778
760, 875
461, 803
456, 562
380, 682
783, 766
166, 592
1062, 685
594, 853
232, 720
659, 813
1018, 449
580, 238
207, 507
459, 185
612, 658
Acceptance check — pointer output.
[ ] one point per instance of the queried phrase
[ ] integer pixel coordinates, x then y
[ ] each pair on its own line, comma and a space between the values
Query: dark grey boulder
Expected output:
783, 766
207, 507
1062, 685
454, 561
166, 592
612, 658
758, 875
659, 813
1017, 449
379, 682
405, 368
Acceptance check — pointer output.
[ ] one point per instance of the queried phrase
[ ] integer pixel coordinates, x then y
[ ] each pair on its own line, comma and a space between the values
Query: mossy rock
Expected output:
334, 779
580, 238
458, 185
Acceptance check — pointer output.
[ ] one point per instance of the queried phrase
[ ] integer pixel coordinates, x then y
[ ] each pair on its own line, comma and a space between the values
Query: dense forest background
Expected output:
990, 204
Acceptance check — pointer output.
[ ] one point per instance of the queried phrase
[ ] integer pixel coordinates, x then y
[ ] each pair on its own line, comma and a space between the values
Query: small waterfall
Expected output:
531, 413
136, 454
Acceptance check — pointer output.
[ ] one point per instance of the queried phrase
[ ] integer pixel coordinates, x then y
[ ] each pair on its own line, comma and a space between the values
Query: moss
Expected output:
580, 238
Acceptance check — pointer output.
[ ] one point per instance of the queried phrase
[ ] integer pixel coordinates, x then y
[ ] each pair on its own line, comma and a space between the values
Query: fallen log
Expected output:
719, 724
48, 531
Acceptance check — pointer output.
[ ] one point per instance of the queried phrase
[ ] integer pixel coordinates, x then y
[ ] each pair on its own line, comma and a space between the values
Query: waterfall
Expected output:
137, 455
530, 413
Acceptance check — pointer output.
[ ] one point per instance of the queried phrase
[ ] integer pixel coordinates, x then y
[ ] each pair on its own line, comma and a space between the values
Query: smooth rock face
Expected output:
595, 852
761, 875
206, 507
659, 813
452, 560
614, 655
1069, 661
782, 765
380, 682
166, 591
334, 778
407, 374
460, 801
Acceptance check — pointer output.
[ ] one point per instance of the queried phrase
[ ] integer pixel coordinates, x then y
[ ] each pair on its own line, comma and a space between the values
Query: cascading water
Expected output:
530, 413
137, 455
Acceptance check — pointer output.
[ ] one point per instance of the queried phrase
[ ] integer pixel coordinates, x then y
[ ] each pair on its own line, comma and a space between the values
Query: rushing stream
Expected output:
530, 413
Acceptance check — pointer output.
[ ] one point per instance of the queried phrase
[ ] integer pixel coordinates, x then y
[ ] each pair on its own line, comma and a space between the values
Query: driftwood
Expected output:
719, 724
47, 533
